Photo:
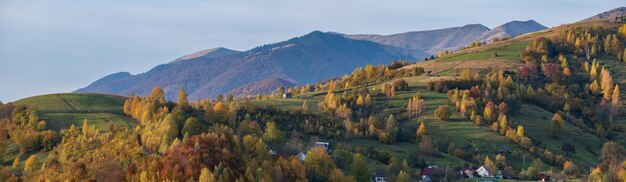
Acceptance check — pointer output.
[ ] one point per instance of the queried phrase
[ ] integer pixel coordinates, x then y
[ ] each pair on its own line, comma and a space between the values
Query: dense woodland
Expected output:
233, 139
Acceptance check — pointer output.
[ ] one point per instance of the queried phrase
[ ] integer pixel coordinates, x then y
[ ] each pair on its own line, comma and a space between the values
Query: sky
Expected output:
60, 46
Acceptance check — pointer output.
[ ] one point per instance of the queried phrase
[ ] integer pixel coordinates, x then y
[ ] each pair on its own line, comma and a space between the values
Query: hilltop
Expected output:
65, 109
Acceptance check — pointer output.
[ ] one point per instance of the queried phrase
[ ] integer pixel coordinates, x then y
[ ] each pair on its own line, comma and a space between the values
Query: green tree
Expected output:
272, 133
192, 127
359, 169
170, 129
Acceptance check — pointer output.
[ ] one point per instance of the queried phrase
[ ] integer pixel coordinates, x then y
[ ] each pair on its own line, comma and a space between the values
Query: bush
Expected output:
443, 112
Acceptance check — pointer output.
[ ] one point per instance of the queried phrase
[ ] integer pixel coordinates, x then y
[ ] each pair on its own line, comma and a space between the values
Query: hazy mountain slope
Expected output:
431, 41
208, 53
512, 29
608, 15
264, 86
310, 58
434, 41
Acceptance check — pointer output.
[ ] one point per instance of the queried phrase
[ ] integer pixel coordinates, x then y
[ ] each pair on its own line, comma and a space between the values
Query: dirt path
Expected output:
67, 102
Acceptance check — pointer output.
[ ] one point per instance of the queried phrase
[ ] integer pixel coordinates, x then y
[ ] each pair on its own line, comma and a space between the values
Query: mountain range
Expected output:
310, 58
434, 41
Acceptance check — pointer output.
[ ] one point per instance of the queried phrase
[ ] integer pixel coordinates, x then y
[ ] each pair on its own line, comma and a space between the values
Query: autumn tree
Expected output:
403, 177
17, 162
421, 130
272, 133
520, 130
615, 100
488, 113
443, 112
415, 107
391, 126
305, 107
612, 153
318, 164
555, 125
206, 176
569, 168
31, 164
336, 175
490, 165
182, 98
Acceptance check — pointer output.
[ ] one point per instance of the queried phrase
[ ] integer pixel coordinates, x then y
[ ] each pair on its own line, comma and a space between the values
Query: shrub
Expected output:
443, 112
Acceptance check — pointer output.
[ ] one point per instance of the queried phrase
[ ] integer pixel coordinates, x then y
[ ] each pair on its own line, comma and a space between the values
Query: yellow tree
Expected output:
615, 100
305, 107
360, 100
30, 164
337, 176
182, 98
206, 176
421, 131
520, 130
318, 164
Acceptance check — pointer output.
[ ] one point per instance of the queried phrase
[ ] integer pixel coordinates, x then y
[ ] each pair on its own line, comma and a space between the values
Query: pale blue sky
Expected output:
60, 46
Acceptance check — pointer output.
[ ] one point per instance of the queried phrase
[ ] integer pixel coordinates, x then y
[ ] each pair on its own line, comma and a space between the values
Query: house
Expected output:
483, 172
301, 156
467, 173
504, 150
311, 89
379, 175
287, 95
426, 173
544, 177
324, 145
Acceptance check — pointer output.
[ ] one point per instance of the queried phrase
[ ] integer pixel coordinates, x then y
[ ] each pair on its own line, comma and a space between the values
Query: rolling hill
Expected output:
264, 86
64, 109
309, 58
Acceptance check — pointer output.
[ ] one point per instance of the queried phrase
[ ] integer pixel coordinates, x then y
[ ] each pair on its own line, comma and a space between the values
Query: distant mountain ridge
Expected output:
607, 15
309, 58
451, 39
512, 29
305, 59
208, 53
430, 41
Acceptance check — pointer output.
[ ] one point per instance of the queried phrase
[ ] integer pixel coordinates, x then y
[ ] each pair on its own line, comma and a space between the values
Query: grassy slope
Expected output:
618, 72
536, 122
62, 110
459, 130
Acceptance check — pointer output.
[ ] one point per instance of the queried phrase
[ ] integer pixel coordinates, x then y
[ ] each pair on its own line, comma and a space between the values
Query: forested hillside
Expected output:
545, 105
